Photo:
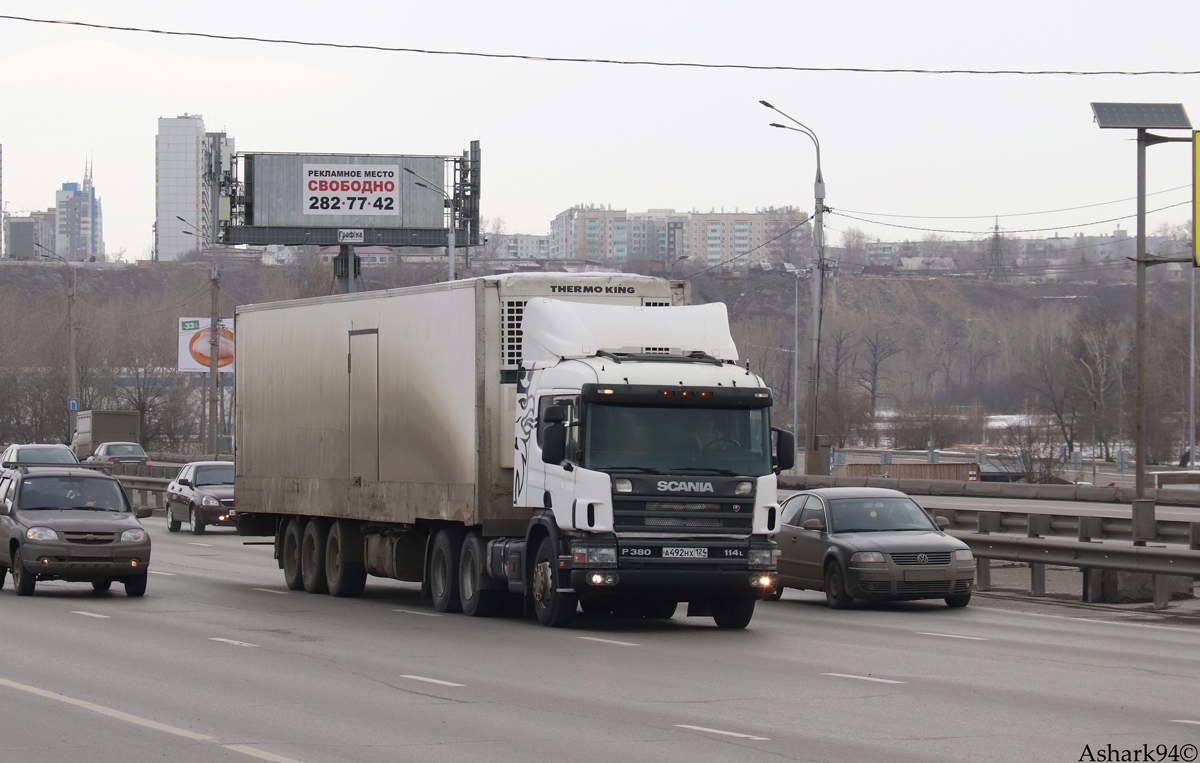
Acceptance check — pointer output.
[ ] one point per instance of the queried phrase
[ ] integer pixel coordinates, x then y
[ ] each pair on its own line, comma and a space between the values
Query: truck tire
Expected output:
312, 556
24, 581
476, 599
172, 523
293, 539
732, 614
443, 571
195, 521
553, 609
346, 579
136, 585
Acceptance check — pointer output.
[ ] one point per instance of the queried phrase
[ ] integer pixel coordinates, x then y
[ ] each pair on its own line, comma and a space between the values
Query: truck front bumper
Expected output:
680, 584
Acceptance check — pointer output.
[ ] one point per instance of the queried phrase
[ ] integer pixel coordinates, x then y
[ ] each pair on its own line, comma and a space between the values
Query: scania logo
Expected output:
690, 487
922, 558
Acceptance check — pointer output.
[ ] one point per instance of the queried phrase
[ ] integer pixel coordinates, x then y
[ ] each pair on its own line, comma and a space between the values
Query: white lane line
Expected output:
144, 722
607, 641
722, 733
1193, 723
235, 643
156, 572
414, 612
271, 590
206, 545
951, 635
91, 614
431, 680
863, 678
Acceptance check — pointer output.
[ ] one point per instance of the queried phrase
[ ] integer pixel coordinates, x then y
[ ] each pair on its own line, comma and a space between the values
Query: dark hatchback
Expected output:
869, 543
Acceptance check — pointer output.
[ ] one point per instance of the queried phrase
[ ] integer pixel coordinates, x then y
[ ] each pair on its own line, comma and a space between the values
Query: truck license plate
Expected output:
684, 553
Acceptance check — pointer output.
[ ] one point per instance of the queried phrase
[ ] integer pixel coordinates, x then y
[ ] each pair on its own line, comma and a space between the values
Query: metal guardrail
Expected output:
1066, 525
150, 490
1097, 555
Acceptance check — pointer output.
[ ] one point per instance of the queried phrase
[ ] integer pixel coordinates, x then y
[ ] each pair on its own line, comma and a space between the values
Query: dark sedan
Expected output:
869, 543
203, 493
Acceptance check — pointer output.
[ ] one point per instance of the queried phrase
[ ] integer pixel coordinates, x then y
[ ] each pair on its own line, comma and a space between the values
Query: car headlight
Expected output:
743, 488
866, 556
134, 535
623, 485
210, 501
964, 555
595, 556
761, 558
40, 533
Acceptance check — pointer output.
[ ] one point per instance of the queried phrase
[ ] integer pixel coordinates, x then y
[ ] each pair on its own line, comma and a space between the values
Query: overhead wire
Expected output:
180, 303
755, 249
605, 61
1014, 214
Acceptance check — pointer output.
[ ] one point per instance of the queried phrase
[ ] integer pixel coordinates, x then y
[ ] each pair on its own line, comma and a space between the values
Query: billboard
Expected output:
344, 191
194, 345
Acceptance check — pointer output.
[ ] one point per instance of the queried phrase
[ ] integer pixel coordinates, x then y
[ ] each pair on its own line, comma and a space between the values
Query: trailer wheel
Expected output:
346, 579
443, 572
732, 614
293, 539
554, 609
312, 556
477, 601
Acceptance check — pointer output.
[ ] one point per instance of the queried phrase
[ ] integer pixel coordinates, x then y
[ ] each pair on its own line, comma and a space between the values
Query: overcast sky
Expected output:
558, 134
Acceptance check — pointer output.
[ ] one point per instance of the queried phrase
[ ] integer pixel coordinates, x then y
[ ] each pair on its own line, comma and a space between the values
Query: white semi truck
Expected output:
560, 440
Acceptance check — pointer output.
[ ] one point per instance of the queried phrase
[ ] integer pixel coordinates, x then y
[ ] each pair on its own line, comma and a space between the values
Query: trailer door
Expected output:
363, 367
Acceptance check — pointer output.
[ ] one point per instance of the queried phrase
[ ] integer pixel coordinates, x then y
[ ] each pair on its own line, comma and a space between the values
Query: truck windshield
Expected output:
677, 440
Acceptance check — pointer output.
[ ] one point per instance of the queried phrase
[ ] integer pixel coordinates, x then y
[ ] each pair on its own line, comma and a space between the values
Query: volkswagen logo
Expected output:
922, 558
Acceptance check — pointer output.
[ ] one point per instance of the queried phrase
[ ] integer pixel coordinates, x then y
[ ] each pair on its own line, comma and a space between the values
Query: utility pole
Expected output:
214, 344
995, 263
812, 455
73, 382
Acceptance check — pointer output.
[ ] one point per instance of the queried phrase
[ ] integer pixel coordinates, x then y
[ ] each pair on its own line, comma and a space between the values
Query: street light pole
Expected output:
671, 271
428, 184
73, 378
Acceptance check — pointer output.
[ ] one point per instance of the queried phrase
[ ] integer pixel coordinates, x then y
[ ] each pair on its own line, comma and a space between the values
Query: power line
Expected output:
755, 249
1016, 214
180, 303
981, 233
607, 61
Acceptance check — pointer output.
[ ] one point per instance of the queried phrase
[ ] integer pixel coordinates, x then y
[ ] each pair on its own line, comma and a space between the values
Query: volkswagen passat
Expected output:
869, 543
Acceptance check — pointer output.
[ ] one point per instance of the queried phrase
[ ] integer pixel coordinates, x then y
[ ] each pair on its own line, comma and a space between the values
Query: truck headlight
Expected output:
761, 558
40, 533
622, 485
964, 555
866, 556
210, 501
594, 556
134, 535
743, 488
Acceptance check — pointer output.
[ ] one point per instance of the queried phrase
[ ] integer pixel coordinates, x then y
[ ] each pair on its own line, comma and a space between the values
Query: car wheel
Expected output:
172, 523
835, 587
961, 600
293, 539
136, 585
476, 599
312, 556
443, 571
774, 594
101, 585
732, 614
24, 581
194, 521
553, 609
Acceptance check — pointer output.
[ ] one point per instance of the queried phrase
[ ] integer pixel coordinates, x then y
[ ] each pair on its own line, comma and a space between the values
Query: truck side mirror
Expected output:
785, 450
554, 442
554, 414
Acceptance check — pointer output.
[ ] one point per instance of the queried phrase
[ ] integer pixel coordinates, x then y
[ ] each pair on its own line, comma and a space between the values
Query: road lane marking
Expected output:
144, 722
206, 545
951, 635
271, 590
91, 614
235, 643
432, 681
722, 733
607, 641
863, 678
414, 612
156, 572
1193, 723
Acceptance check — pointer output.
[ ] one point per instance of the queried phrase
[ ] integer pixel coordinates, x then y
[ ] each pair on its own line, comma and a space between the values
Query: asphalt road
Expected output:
220, 662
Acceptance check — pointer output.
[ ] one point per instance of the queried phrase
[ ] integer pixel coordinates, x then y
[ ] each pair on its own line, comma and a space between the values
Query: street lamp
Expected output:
73, 381
214, 342
812, 461
429, 185
671, 271
1143, 117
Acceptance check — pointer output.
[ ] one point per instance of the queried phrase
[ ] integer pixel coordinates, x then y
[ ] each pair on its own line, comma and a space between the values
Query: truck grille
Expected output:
711, 517
931, 557
90, 539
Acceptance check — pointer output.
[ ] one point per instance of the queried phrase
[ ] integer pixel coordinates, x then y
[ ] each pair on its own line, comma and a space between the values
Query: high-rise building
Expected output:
28, 237
189, 165
596, 234
78, 221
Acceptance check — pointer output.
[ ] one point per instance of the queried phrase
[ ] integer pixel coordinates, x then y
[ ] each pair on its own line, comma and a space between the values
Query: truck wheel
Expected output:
732, 614
194, 521
554, 609
172, 523
312, 557
136, 585
346, 579
835, 587
443, 572
24, 581
293, 539
477, 600
101, 585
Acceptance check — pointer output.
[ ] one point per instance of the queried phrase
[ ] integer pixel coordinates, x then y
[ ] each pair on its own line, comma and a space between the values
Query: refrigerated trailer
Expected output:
559, 440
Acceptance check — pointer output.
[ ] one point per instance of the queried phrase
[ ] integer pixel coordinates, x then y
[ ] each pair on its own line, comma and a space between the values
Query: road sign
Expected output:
72, 404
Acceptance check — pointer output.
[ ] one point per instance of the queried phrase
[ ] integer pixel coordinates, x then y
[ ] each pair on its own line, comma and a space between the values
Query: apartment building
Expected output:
189, 167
